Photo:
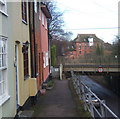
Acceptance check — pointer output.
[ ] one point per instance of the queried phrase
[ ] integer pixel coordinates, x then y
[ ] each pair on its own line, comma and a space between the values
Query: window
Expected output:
25, 59
3, 69
43, 19
45, 22
79, 47
46, 59
80, 52
24, 11
35, 6
39, 12
3, 6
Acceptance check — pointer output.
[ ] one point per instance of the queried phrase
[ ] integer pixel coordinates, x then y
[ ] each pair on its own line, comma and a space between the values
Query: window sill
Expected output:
5, 99
4, 13
24, 22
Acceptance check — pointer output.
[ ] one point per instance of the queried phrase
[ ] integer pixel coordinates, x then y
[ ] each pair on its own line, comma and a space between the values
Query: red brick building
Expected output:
85, 44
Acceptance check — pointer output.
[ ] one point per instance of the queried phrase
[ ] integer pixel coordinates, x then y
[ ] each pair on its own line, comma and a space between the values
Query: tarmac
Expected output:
57, 102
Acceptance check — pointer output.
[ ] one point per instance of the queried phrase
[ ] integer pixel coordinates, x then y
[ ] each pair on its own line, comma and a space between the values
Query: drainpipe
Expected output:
30, 34
34, 39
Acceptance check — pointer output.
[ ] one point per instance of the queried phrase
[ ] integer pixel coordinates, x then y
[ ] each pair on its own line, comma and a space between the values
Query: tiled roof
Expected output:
84, 38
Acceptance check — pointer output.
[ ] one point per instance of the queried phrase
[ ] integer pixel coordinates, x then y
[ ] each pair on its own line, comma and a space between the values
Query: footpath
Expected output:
57, 102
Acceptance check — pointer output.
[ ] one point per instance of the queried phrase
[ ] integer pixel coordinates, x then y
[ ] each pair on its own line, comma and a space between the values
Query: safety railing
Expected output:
92, 103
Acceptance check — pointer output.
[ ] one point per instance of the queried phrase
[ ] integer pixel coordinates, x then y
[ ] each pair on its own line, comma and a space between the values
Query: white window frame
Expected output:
46, 59
43, 19
39, 11
3, 72
3, 7
35, 6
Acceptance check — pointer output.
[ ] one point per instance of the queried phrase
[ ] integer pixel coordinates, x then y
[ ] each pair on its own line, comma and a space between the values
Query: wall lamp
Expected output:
25, 46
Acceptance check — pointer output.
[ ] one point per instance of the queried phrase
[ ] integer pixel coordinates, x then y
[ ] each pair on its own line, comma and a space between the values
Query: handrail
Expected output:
80, 86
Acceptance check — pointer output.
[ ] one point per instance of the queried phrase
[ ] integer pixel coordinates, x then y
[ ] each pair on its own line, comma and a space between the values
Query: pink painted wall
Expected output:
44, 45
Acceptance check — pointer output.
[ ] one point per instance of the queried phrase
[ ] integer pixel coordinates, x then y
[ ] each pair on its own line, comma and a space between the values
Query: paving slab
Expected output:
57, 102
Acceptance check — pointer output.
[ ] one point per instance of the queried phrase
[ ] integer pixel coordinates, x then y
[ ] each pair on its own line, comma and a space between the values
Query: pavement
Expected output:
57, 102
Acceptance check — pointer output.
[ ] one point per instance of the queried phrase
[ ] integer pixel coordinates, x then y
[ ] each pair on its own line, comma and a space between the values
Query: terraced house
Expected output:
7, 70
24, 54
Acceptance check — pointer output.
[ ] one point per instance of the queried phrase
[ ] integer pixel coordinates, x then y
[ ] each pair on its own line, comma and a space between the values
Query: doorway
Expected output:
17, 74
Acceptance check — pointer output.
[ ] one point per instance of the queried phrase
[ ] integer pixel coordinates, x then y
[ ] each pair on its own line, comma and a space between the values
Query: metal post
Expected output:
90, 103
80, 89
61, 68
83, 97
77, 85
102, 109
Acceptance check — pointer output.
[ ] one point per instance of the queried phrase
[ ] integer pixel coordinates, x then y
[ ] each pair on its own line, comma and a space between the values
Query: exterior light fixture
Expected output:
25, 46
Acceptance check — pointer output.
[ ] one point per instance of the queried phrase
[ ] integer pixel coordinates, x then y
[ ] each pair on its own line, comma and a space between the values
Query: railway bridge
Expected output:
92, 69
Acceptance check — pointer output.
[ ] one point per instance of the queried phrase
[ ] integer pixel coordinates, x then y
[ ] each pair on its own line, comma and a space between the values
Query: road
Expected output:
111, 99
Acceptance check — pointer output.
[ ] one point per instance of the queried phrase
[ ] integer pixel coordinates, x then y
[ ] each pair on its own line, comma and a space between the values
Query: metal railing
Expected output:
81, 89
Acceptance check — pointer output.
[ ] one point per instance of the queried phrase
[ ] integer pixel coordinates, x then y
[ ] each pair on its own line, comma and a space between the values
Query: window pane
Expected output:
0, 89
4, 60
0, 76
4, 87
1, 45
0, 60
4, 47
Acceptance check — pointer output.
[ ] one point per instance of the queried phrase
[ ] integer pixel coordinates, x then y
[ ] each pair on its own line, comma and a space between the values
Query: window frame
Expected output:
43, 18
39, 11
3, 7
3, 71
25, 61
46, 59
35, 6
24, 11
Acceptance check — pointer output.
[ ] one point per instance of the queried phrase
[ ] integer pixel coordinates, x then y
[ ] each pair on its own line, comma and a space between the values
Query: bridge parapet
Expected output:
92, 68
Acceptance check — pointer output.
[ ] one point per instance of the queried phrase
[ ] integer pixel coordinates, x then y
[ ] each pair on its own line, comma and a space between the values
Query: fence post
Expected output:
102, 109
61, 70
83, 97
90, 103
77, 84
79, 89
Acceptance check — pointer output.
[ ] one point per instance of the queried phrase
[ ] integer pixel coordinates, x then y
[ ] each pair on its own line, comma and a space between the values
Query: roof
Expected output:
45, 10
84, 38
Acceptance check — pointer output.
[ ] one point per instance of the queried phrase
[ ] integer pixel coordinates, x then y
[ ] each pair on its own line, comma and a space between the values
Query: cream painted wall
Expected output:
8, 109
21, 34
16, 30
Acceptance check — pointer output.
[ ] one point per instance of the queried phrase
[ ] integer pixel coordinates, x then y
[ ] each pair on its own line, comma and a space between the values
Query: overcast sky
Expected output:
98, 17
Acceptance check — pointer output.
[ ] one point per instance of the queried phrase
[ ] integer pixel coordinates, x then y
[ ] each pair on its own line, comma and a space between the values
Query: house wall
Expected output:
36, 53
20, 33
85, 49
44, 46
8, 108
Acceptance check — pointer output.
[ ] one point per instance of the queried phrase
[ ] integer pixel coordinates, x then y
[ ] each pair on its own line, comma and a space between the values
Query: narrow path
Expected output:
57, 102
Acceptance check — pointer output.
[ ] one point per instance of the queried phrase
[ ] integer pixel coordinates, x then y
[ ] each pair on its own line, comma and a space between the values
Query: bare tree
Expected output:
56, 23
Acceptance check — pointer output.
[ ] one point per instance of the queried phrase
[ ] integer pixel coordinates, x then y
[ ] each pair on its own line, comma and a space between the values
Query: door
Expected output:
16, 69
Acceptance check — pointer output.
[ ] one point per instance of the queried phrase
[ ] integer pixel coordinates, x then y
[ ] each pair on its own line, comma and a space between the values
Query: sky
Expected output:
98, 17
